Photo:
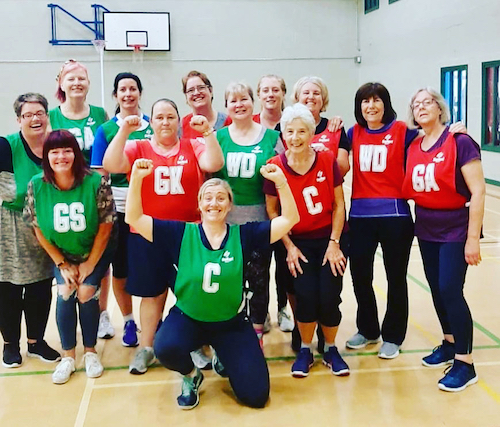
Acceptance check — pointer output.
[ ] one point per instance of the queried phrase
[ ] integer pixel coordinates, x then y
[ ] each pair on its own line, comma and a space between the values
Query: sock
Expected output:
328, 345
304, 345
128, 317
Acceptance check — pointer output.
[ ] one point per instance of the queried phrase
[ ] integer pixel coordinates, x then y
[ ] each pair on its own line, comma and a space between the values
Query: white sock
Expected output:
128, 317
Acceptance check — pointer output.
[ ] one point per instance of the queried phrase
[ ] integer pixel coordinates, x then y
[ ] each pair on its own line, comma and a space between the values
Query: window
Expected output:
454, 90
393, 1
371, 5
490, 134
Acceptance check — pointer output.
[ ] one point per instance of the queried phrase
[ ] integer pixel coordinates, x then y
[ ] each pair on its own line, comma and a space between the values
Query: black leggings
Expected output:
34, 299
395, 235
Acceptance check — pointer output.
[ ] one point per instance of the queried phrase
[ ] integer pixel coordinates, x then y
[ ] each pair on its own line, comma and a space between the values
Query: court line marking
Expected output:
85, 403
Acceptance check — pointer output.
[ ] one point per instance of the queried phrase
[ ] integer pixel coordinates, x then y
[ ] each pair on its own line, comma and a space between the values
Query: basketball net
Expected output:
99, 47
138, 53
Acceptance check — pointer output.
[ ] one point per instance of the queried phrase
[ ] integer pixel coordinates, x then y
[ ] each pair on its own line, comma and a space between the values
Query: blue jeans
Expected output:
88, 311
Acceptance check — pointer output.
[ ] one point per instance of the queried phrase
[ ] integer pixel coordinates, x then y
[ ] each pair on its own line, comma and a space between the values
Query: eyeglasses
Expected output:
425, 103
40, 114
199, 88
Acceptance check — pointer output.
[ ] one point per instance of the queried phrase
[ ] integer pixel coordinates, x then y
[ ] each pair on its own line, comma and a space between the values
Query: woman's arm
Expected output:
474, 178
212, 159
282, 224
115, 159
343, 161
333, 254
134, 214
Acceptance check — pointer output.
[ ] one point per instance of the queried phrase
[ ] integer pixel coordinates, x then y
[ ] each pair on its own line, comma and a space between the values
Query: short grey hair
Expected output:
297, 111
30, 97
318, 81
213, 182
440, 101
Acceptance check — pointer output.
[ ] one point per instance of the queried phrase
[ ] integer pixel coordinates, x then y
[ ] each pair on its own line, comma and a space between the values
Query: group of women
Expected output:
277, 180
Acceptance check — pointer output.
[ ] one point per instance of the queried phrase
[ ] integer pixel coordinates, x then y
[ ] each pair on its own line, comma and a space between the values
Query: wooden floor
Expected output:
399, 392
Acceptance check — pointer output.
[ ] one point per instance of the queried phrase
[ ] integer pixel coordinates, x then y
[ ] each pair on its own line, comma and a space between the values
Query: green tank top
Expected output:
110, 129
68, 219
24, 169
243, 163
83, 129
209, 284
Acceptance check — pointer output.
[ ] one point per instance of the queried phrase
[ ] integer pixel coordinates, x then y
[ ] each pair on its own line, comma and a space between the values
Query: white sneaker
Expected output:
201, 360
106, 330
93, 366
285, 321
63, 371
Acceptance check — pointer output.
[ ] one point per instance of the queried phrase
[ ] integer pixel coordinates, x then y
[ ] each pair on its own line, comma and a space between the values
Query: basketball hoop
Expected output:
137, 55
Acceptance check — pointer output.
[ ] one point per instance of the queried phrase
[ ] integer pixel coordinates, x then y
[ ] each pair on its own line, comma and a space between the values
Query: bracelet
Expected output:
61, 263
208, 132
337, 241
281, 185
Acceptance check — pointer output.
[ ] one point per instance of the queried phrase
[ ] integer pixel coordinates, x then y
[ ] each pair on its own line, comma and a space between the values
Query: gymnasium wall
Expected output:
405, 44
227, 39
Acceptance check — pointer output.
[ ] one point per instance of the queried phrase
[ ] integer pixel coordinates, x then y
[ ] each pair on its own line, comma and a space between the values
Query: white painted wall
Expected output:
405, 44
227, 39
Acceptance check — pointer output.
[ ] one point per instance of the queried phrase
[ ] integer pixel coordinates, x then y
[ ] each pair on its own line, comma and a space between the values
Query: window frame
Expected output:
496, 120
371, 8
392, 1
452, 69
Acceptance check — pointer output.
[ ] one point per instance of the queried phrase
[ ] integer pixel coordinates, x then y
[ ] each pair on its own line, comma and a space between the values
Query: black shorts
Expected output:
120, 259
147, 270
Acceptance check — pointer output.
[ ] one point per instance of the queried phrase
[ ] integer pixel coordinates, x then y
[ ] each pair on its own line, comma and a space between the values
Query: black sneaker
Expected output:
42, 351
458, 376
441, 355
11, 356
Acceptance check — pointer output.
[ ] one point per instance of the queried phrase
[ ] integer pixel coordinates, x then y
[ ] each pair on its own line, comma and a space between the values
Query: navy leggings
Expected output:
235, 342
445, 268
395, 235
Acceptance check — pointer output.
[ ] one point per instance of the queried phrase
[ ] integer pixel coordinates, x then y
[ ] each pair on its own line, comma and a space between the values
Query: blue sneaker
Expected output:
303, 363
130, 334
334, 361
441, 355
458, 377
190, 394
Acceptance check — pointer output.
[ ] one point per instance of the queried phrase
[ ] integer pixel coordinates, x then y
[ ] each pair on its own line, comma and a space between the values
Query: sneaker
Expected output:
130, 334
218, 366
388, 350
42, 351
106, 330
334, 361
303, 363
285, 321
267, 324
63, 370
11, 356
190, 394
358, 341
201, 360
296, 340
142, 359
458, 376
93, 366
441, 355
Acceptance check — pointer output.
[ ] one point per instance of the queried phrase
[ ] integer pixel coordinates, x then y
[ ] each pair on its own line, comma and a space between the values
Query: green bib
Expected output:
209, 284
83, 129
242, 166
110, 129
24, 169
68, 219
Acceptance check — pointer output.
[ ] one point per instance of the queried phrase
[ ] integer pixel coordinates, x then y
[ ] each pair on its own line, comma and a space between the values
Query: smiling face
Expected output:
214, 204
128, 94
61, 160
426, 110
164, 121
310, 96
373, 110
33, 120
75, 83
297, 136
198, 93
239, 105
270, 93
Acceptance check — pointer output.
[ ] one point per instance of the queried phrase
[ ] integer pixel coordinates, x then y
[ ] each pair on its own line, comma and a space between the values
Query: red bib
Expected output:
313, 192
378, 162
431, 176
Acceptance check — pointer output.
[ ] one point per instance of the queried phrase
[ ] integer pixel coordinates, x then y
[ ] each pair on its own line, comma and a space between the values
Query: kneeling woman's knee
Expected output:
255, 398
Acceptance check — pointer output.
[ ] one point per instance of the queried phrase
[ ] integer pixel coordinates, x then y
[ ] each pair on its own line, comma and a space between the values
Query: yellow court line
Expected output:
85, 403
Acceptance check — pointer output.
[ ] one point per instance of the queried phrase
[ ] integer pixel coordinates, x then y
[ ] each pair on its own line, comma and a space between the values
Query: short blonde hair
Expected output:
440, 101
318, 81
237, 88
213, 182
